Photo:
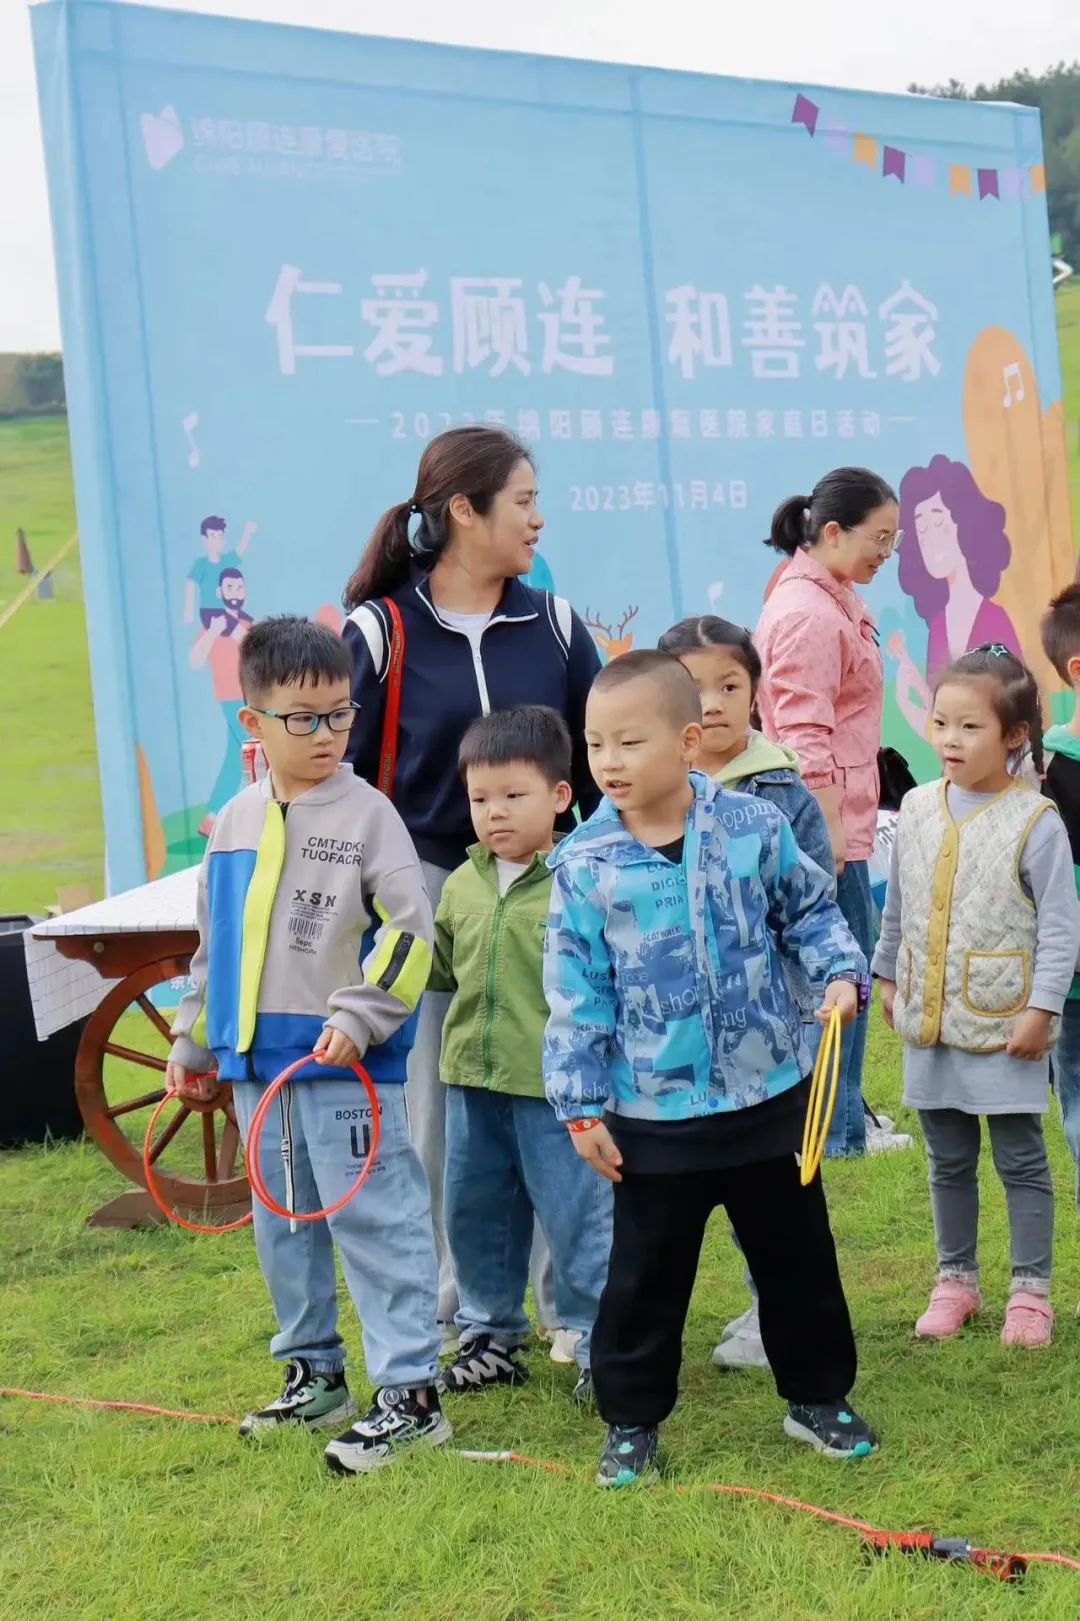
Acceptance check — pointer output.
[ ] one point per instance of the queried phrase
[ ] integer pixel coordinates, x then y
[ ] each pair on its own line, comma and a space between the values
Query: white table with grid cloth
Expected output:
64, 988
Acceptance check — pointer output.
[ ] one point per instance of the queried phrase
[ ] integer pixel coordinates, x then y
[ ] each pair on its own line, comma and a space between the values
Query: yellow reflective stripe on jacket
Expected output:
258, 904
400, 966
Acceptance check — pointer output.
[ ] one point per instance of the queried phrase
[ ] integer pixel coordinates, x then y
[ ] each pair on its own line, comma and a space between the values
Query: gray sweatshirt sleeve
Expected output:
888, 946
1047, 874
396, 969
188, 1026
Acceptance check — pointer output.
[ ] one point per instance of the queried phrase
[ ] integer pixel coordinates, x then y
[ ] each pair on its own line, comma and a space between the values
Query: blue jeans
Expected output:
509, 1163
1065, 1068
847, 1135
426, 1099
383, 1236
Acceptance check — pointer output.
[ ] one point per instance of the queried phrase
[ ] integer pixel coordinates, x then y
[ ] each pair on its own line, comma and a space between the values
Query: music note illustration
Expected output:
189, 424
716, 591
1011, 375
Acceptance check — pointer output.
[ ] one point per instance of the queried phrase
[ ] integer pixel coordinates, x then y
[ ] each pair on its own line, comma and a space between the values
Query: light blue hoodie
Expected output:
666, 984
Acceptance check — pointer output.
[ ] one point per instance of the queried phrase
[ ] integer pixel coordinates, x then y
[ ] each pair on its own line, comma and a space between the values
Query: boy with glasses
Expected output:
315, 937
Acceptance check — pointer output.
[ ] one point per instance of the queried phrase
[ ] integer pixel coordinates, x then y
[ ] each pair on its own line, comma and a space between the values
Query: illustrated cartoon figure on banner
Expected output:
954, 553
1018, 454
218, 645
201, 593
613, 644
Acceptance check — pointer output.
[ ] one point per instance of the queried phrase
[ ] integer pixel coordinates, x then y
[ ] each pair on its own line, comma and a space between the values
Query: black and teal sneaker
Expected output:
396, 1422
481, 1364
317, 1401
831, 1428
629, 1457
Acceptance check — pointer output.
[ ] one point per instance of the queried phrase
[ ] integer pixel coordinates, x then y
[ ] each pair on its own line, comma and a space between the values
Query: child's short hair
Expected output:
289, 651
1060, 630
1014, 691
706, 630
212, 523
676, 689
526, 734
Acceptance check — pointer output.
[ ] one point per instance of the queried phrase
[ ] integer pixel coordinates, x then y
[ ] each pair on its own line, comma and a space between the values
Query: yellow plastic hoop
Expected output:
819, 1110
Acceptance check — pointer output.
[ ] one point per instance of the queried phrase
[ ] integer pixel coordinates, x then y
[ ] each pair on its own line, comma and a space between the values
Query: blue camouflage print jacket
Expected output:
666, 985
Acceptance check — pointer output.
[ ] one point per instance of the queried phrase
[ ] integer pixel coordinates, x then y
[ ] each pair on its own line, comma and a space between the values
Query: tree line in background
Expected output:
1056, 93
31, 385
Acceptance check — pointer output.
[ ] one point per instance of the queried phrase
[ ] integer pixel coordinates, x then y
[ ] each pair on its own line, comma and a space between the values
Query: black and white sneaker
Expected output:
318, 1401
583, 1393
396, 1422
481, 1364
831, 1428
629, 1455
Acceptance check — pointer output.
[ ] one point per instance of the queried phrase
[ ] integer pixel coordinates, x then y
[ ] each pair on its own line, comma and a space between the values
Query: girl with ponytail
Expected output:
476, 638
821, 694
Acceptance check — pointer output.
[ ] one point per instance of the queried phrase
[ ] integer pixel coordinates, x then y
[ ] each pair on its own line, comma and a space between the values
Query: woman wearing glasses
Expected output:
821, 694
475, 639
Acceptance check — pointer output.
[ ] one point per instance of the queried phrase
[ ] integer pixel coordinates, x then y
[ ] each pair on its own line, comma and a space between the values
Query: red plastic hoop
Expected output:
254, 1174
258, 1120
155, 1193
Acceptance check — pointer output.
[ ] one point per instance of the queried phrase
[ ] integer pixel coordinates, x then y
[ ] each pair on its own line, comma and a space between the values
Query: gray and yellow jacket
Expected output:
310, 914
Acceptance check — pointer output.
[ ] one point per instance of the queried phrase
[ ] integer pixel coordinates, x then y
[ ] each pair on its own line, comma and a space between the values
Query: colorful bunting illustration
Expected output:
1008, 184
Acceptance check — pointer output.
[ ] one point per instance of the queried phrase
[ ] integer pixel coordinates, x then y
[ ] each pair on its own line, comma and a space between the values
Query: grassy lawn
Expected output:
118, 1517
50, 804
122, 1516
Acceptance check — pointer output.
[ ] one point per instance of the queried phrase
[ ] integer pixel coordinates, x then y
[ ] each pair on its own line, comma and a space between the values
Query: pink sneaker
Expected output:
1029, 1320
952, 1303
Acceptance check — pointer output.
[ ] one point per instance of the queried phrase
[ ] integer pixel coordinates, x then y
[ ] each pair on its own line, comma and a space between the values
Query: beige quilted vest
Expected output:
964, 968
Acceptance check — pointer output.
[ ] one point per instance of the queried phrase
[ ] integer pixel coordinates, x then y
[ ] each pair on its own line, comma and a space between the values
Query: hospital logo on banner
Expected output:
254, 147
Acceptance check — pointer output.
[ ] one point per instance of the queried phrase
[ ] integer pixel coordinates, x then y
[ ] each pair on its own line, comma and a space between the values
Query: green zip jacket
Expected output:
489, 951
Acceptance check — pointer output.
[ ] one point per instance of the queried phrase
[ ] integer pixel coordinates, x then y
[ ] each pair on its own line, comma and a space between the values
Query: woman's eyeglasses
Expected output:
884, 545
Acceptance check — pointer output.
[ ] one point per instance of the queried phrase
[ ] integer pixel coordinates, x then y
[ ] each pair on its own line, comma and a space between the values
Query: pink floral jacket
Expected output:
822, 689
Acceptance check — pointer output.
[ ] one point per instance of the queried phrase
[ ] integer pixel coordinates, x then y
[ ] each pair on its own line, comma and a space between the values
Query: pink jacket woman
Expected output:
822, 691
821, 694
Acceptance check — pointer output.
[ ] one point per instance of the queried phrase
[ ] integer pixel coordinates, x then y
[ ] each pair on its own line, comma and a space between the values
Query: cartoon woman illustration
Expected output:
954, 553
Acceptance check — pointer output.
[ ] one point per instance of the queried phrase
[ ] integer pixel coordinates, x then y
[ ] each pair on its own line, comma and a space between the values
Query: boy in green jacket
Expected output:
508, 1159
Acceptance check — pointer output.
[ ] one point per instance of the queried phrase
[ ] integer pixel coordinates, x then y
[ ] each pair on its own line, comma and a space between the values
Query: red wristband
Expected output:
586, 1123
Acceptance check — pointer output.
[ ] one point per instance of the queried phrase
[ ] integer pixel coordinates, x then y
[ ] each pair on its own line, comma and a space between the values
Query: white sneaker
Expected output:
880, 1141
885, 1121
738, 1324
563, 1345
741, 1348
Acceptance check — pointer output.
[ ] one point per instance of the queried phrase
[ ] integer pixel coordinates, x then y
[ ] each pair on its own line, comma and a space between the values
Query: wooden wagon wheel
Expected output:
116, 1117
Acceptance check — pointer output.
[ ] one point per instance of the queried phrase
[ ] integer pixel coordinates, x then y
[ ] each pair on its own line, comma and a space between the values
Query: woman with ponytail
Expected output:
821, 694
476, 638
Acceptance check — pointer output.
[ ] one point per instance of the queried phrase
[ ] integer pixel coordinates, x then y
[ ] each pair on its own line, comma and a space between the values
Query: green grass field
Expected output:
117, 1517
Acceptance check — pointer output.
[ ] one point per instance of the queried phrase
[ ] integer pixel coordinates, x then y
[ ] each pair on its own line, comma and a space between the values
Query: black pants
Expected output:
785, 1235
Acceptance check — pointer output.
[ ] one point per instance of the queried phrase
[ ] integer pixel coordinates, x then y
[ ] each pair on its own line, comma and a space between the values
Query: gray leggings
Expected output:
953, 1142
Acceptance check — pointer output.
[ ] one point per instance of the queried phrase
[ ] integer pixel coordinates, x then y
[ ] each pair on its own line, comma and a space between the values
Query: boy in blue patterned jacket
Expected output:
675, 1056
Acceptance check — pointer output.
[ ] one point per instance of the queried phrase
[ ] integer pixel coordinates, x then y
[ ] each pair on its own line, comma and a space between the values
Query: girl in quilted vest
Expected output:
978, 947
